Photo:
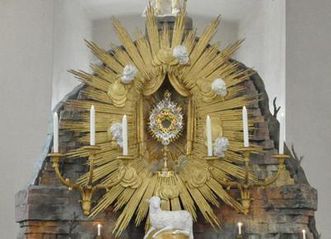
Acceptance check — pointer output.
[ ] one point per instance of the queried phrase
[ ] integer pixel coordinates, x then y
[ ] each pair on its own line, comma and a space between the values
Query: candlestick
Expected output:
92, 125
88, 189
281, 133
99, 229
55, 133
239, 227
209, 136
304, 234
125, 135
245, 126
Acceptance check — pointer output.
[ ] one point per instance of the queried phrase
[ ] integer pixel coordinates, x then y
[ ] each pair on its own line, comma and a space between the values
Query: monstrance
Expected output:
166, 124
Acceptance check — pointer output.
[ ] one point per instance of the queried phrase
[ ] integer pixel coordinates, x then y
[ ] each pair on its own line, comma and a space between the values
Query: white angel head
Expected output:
219, 87
116, 131
128, 74
181, 53
221, 145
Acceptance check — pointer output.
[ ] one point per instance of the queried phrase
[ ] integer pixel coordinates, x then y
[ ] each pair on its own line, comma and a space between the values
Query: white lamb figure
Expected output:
181, 221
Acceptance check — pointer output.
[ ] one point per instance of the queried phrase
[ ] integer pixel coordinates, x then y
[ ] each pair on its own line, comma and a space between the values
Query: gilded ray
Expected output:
105, 57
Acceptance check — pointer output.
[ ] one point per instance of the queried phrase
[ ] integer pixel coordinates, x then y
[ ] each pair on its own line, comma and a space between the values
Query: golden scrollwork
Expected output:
165, 56
118, 93
167, 192
128, 177
199, 177
207, 95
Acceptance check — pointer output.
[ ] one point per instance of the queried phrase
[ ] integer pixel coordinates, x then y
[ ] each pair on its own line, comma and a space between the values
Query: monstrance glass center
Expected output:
166, 120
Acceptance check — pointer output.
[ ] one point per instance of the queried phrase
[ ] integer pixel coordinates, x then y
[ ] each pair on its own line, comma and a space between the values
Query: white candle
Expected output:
99, 229
92, 125
125, 135
281, 133
245, 126
239, 227
304, 234
209, 136
55, 133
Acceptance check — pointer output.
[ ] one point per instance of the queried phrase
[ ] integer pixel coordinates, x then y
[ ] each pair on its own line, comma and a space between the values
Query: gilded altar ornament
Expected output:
206, 93
246, 185
87, 190
167, 190
118, 94
165, 56
171, 57
128, 177
166, 120
196, 184
199, 178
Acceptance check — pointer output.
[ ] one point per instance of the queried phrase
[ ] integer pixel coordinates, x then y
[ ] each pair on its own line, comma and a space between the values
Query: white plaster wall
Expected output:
72, 26
26, 40
308, 85
264, 46
103, 32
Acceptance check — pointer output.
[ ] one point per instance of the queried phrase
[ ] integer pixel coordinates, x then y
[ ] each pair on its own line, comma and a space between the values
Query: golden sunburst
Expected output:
199, 184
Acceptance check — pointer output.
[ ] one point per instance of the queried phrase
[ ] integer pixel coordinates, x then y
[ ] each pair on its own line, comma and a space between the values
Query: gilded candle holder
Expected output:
87, 190
211, 159
126, 159
281, 169
281, 158
165, 172
246, 185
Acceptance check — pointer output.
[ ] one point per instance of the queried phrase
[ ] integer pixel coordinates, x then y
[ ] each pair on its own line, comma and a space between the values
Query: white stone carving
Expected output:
166, 7
179, 221
219, 87
221, 145
116, 132
129, 73
180, 52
